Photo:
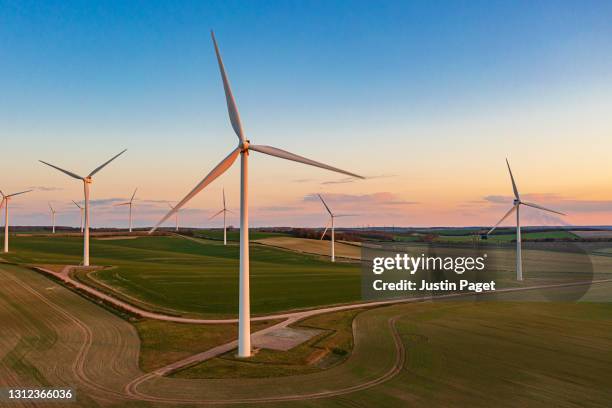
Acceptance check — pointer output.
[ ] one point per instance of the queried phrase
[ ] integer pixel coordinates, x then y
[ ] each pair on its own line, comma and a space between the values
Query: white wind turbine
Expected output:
243, 149
52, 216
224, 211
87, 180
5, 200
130, 204
516, 207
332, 216
82, 211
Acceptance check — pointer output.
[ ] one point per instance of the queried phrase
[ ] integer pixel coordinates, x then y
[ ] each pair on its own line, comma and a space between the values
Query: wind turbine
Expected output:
81, 210
87, 180
130, 203
243, 149
52, 216
331, 221
516, 204
5, 200
224, 211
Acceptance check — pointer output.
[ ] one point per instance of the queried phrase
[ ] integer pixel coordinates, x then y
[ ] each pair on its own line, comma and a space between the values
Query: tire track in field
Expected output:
130, 391
398, 364
78, 366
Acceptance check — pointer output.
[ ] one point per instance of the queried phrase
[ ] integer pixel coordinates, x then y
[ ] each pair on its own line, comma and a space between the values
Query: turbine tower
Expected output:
87, 180
224, 211
516, 204
81, 210
52, 216
332, 216
243, 149
129, 203
5, 200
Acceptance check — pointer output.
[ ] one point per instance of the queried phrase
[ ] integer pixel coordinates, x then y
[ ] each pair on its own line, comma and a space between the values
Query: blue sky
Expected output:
383, 88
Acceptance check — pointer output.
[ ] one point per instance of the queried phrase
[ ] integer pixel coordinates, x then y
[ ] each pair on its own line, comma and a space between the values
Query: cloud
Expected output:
340, 181
496, 199
375, 199
305, 180
45, 188
278, 208
557, 202
346, 180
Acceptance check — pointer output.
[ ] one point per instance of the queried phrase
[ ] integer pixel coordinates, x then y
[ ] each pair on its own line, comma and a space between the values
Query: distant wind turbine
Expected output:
224, 211
243, 149
332, 216
52, 216
87, 180
82, 211
129, 203
516, 204
5, 200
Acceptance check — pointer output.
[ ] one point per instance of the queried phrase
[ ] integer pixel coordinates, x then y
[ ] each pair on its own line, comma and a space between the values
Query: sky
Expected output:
425, 98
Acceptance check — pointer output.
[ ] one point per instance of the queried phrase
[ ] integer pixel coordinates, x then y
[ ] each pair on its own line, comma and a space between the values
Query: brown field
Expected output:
593, 234
313, 246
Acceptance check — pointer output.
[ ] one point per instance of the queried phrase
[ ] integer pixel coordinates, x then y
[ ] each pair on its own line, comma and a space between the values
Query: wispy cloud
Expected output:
45, 188
346, 180
375, 199
557, 202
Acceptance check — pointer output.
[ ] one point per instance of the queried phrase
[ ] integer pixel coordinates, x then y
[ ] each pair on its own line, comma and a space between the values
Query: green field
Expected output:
507, 237
234, 234
482, 354
200, 277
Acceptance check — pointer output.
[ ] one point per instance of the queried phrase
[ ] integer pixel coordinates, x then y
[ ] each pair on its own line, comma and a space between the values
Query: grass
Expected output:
507, 237
234, 234
163, 343
200, 277
330, 347
508, 354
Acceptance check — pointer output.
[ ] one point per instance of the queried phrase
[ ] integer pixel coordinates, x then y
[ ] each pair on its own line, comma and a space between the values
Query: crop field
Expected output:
199, 277
313, 246
69, 341
196, 277
503, 236
234, 234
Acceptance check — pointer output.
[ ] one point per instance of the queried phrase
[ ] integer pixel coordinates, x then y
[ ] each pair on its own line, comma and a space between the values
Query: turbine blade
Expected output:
345, 215
216, 172
503, 218
220, 212
232, 109
516, 193
541, 208
21, 192
2, 202
325, 204
100, 167
133, 195
75, 203
273, 151
117, 205
325, 230
71, 174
